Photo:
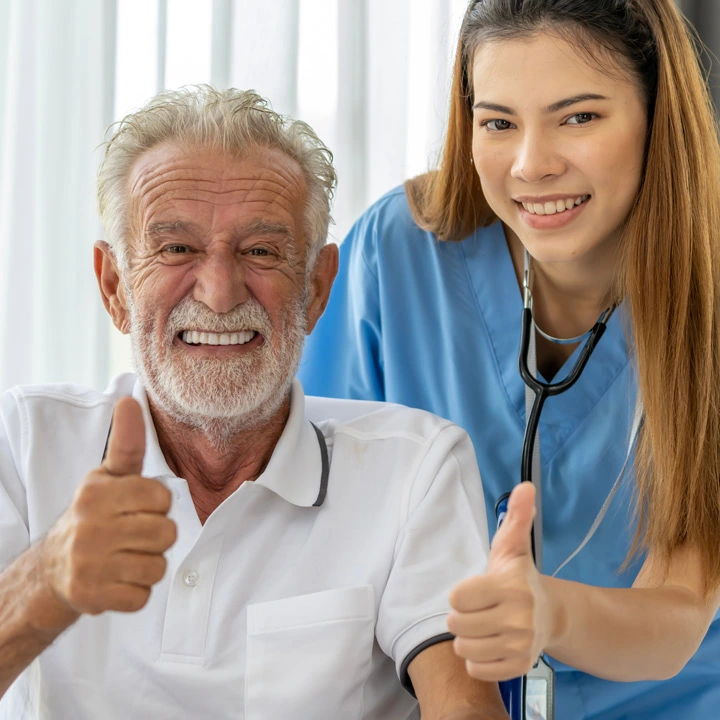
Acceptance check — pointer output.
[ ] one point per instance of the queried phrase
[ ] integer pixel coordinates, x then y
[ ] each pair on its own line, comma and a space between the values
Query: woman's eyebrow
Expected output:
559, 105
484, 105
567, 102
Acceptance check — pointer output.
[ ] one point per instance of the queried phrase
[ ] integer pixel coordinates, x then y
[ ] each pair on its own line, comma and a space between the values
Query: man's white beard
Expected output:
218, 396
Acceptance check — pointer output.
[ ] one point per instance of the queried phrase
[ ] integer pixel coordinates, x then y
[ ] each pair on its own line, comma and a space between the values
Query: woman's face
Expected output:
558, 145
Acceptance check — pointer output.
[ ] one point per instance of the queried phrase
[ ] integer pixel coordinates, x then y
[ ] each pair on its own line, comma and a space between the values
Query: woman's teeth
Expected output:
194, 337
554, 207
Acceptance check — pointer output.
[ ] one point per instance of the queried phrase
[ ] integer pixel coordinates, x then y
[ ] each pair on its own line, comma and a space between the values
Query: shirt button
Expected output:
176, 495
191, 579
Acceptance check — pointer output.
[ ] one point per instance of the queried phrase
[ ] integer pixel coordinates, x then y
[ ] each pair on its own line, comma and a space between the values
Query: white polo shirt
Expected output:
302, 597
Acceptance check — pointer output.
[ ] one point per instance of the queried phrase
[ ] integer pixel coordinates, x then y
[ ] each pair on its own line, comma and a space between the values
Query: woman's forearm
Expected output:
624, 634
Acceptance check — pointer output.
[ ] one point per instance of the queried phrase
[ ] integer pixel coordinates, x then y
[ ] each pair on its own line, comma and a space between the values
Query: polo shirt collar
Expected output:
154, 464
295, 470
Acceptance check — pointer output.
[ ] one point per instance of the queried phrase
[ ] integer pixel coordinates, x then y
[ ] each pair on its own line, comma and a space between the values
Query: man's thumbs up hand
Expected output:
106, 550
126, 445
501, 619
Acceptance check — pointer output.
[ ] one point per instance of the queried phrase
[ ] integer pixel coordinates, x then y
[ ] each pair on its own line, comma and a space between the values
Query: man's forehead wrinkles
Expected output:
216, 196
260, 216
192, 189
191, 172
269, 207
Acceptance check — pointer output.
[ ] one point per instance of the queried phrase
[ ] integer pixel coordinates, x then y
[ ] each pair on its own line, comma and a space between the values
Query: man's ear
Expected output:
111, 287
321, 280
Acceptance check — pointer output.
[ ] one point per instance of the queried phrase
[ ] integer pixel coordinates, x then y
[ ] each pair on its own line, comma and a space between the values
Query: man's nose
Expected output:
537, 158
220, 281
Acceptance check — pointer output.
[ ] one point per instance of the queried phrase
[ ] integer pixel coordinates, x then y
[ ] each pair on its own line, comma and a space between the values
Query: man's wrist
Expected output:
48, 613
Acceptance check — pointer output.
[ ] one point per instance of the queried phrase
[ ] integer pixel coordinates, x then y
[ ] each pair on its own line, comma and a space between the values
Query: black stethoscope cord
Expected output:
543, 390
537, 392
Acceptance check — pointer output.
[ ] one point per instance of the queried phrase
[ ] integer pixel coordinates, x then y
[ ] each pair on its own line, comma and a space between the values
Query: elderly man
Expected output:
299, 551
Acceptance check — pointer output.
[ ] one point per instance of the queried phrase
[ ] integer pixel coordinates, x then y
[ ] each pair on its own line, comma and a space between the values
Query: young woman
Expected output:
581, 144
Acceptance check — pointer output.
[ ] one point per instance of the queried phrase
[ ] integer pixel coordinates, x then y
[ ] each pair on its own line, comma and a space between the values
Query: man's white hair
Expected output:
232, 121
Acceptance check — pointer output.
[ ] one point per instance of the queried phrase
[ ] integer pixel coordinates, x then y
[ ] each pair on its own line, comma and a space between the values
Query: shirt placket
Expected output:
192, 563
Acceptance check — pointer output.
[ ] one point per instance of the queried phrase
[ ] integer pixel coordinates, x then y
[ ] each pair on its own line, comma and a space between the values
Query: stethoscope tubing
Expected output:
543, 390
514, 691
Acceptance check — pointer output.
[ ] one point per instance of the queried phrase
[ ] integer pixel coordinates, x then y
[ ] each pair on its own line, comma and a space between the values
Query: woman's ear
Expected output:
111, 286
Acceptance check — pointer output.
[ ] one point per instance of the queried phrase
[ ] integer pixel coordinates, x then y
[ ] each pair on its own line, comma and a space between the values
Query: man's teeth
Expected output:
194, 337
553, 207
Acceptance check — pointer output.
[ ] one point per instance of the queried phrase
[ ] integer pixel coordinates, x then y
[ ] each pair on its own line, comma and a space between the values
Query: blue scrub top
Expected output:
436, 325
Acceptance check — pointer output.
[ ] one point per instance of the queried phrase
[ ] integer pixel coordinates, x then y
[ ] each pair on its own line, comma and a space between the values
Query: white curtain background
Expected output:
56, 70
371, 76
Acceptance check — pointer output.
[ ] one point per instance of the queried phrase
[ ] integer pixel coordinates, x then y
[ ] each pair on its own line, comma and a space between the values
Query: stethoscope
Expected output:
537, 392
542, 390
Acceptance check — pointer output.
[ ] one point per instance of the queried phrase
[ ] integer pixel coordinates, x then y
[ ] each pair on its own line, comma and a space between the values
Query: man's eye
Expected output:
177, 249
259, 252
496, 125
581, 118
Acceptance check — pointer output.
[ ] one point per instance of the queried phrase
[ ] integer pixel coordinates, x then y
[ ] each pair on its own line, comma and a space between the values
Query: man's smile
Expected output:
216, 344
200, 337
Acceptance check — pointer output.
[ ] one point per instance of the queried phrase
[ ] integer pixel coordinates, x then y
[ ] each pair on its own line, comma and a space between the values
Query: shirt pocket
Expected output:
308, 656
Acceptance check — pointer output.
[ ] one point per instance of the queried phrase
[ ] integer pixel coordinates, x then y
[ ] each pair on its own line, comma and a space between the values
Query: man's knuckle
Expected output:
152, 570
170, 533
136, 600
88, 494
158, 569
83, 544
162, 496
161, 533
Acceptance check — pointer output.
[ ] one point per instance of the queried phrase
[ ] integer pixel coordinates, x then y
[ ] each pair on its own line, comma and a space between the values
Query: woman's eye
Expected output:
581, 118
496, 125
177, 249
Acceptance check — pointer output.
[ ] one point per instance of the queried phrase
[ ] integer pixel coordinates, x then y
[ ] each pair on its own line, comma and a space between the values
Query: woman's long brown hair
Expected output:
669, 274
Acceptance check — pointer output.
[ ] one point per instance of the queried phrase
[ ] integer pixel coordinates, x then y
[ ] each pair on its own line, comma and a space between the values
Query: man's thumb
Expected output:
126, 445
513, 536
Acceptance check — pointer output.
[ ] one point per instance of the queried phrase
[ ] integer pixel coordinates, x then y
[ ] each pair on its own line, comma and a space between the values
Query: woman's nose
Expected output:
537, 158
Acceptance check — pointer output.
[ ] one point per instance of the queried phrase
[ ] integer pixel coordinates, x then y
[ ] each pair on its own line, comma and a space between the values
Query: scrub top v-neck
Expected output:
436, 325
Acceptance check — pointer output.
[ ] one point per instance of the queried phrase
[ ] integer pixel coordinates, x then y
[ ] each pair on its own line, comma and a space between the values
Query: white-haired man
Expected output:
299, 553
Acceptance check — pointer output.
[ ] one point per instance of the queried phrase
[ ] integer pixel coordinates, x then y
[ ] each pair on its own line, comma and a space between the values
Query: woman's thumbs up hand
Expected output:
501, 619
